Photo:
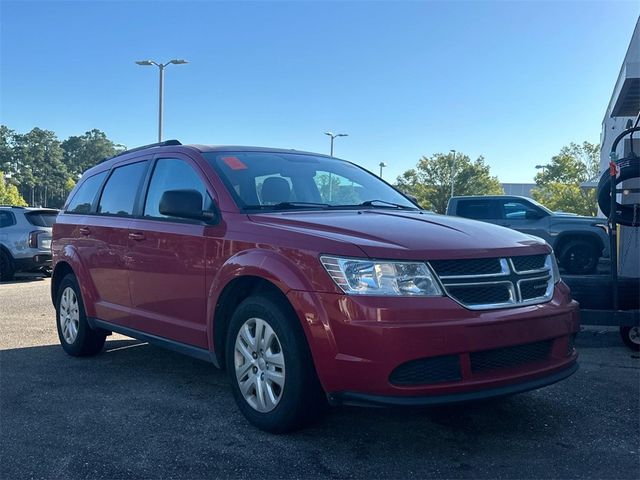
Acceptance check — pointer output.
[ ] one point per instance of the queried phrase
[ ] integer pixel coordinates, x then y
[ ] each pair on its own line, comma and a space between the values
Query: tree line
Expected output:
36, 168
558, 185
41, 169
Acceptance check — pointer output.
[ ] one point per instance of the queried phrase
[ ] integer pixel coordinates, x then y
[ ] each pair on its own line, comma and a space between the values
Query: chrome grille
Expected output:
482, 284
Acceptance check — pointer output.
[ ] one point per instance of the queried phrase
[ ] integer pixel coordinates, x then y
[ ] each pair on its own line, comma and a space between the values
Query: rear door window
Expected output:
82, 200
119, 193
6, 219
482, 209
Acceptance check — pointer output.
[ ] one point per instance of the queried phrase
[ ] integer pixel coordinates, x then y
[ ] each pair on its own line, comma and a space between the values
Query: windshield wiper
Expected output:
287, 205
371, 203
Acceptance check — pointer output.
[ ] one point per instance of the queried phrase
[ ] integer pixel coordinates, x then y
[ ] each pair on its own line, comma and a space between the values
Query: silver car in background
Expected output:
25, 240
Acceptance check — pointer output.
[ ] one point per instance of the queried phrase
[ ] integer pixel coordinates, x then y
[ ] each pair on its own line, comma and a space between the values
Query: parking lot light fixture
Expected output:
161, 67
381, 165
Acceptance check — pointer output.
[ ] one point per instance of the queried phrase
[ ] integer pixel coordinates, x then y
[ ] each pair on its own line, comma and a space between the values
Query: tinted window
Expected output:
119, 194
6, 219
42, 218
173, 174
518, 210
478, 209
86, 193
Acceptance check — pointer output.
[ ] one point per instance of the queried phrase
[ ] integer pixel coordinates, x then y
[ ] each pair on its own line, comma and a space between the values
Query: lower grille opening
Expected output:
508, 357
427, 370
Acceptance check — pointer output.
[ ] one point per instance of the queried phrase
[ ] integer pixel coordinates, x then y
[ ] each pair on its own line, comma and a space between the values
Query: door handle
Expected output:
85, 231
136, 236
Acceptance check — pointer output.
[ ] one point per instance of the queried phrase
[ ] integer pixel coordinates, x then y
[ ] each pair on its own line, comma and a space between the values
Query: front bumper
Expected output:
358, 342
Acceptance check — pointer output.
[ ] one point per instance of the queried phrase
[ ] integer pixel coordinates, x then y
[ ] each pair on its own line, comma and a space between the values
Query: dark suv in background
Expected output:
579, 242
309, 279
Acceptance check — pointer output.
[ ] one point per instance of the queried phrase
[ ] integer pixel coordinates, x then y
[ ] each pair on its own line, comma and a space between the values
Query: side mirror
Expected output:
184, 204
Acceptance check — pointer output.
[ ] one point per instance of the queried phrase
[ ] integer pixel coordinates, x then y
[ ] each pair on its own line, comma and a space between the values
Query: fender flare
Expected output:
264, 264
69, 256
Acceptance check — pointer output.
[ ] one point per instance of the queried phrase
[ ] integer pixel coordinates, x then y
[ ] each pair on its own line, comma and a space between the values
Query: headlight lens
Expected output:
372, 277
555, 271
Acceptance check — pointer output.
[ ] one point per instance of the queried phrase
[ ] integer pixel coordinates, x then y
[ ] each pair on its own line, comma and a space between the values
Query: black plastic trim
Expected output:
190, 350
363, 399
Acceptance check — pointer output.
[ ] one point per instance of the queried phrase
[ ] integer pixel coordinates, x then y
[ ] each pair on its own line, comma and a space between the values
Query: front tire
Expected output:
270, 368
77, 338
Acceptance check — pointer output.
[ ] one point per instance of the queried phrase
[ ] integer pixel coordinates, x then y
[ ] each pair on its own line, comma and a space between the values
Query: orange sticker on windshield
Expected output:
234, 163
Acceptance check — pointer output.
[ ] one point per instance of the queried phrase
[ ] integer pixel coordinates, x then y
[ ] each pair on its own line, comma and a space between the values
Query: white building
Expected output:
623, 109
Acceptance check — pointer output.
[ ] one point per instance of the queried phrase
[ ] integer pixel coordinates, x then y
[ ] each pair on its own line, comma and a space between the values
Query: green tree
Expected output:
84, 151
558, 185
9, 194
430, 182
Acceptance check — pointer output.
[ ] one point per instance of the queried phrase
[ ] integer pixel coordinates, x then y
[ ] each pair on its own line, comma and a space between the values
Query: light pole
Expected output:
538, 167
453, 171
382, 165
334, 135
161, 67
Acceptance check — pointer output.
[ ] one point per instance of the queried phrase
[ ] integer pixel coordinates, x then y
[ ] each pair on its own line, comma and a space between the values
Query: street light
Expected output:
161, 67
382, 164
332, 135
538, 167
453, 170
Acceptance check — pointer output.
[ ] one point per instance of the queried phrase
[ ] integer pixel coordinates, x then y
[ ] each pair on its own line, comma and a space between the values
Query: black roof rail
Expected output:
166, 143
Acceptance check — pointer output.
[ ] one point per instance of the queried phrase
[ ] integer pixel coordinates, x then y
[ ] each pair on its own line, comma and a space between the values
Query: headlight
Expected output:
555, 271
373, 277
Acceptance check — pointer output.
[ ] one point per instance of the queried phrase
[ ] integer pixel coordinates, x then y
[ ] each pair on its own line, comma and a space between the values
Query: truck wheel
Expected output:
270, 368
631, 337
579, 257
76, 336
7, 268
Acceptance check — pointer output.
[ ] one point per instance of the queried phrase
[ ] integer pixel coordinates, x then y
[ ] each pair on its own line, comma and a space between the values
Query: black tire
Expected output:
629, 168
631, 337
579, 257
7, 267
301, 399
87, 341
596, 292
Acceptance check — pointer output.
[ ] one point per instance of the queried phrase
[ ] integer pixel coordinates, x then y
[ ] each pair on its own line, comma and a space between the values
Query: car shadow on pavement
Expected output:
138, 410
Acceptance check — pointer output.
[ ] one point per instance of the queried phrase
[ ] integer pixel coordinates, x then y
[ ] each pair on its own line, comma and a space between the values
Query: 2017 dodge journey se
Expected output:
309, 279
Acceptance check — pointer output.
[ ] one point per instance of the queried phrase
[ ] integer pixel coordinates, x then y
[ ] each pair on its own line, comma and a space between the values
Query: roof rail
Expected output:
11, 206
166, 143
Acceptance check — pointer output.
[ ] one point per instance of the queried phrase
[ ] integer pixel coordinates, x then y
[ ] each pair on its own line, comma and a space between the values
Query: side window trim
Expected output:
136, 212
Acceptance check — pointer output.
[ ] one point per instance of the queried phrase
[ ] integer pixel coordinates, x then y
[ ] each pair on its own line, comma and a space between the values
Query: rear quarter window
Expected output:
44, 218
82, 200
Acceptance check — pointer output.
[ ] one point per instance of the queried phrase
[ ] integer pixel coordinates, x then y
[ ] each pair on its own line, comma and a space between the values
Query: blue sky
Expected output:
513, 81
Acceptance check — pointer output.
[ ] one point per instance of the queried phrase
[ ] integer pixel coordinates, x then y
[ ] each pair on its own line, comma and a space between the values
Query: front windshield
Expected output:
265, 180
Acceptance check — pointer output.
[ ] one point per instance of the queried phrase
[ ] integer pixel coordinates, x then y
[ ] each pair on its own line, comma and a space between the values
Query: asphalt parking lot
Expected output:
139, 411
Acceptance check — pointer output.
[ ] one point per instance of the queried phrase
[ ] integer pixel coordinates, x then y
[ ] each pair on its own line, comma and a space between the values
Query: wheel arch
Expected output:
566, 237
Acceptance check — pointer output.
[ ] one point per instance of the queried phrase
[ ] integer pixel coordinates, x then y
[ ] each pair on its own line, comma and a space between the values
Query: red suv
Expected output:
309, 279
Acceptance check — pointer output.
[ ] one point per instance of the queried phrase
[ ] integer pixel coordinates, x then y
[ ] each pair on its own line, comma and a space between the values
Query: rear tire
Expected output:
77, 338
579, 257
631, 337
269, 366
7, 267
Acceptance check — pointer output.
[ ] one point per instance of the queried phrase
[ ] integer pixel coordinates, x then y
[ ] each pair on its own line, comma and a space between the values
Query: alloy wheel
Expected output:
259, 365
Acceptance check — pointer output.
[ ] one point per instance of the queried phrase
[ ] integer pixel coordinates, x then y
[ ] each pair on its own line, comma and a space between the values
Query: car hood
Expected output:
398, 234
